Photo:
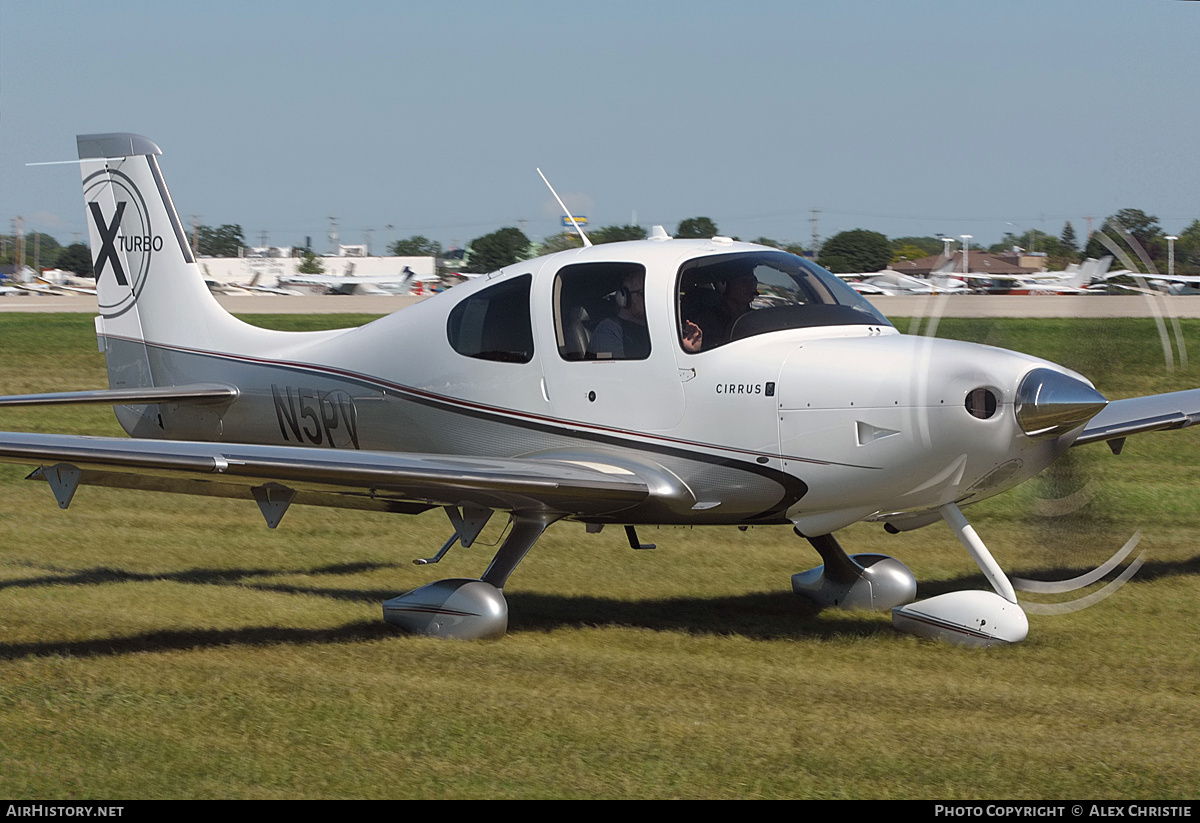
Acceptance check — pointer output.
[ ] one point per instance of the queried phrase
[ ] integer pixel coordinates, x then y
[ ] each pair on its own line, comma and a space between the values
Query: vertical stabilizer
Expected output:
149, 290
148, 285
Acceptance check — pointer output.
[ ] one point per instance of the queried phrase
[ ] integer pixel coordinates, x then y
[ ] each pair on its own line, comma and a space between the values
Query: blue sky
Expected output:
915, 117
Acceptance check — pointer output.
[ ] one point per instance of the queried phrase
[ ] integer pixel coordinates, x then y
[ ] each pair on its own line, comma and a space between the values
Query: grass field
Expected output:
154, 646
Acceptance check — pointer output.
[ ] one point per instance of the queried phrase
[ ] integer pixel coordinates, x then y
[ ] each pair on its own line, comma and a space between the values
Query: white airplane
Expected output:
1077, 278
892, 283
353, 283
62, 287
739, 385
1178, 284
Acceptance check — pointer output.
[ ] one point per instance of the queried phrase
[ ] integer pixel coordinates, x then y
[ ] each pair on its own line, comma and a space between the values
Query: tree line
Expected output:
1130, 233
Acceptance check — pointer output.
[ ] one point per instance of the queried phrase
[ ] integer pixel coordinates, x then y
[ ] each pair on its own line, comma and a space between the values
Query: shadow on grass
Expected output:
162, 641
205, 577
761, 616
758, 616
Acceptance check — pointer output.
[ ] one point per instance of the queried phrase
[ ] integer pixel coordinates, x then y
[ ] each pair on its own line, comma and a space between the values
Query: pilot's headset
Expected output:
623, 297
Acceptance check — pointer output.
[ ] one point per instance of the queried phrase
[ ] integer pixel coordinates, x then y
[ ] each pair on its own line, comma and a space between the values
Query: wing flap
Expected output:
392, 478
1138, 415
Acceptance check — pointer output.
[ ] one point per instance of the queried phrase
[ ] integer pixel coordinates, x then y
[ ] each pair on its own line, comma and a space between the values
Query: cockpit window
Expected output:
730, 297
493, 324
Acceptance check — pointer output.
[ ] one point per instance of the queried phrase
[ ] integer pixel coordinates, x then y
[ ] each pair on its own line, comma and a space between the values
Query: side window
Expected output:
600, 312
494, 324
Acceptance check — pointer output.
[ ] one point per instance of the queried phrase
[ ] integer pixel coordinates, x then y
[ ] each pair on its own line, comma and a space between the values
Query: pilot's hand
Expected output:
693, 336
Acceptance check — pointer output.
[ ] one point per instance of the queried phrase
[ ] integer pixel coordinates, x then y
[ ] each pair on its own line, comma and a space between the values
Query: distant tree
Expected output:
560, 242
1135, 223
223, 241
45, 246
416, 246
857, 250
76, 258
1142, 226
1068, 239
697, 227
908, 252
928, 245
617, 234
310, 263
496, 250
1187, 250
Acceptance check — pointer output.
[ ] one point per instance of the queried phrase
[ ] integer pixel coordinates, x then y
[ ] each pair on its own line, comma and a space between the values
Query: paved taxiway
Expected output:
958, 305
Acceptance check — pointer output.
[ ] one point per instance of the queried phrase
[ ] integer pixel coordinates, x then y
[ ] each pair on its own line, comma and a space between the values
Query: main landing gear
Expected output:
462, 608
876, 581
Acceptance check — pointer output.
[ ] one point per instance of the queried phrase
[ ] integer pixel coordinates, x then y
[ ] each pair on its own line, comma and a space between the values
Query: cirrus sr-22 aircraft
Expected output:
656, 382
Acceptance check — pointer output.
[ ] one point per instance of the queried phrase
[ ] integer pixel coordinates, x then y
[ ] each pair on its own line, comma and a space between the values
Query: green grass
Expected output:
155, 646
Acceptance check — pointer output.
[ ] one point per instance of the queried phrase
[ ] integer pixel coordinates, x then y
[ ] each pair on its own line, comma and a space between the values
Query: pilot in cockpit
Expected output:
710, 327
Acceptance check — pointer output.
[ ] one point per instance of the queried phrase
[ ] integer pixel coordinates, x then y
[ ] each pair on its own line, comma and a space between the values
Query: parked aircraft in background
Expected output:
892, 283
660, 381
353, 284
1170, 283
1077, 278
45, 286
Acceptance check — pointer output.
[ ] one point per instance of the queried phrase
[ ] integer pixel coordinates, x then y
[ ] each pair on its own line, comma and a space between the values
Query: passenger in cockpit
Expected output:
625, 336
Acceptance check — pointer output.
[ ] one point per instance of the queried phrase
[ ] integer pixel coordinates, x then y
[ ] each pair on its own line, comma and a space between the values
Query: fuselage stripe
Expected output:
420, 395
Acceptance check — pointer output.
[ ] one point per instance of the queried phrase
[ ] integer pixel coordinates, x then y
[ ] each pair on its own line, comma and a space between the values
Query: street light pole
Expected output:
1171, 255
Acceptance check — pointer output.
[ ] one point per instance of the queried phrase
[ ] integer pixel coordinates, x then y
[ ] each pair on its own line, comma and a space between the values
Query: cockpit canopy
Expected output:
734, 296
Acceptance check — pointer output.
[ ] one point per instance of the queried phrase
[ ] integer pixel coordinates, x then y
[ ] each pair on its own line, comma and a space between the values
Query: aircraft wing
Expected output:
1155, 412
77, 289
345, 280
276, 476
1170, 278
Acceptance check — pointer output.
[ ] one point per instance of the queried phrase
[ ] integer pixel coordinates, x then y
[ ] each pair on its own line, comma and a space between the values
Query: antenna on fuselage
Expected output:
566, 211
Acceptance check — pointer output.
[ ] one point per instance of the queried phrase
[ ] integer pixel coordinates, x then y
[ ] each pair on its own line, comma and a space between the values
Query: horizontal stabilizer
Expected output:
194, 393
1137, 415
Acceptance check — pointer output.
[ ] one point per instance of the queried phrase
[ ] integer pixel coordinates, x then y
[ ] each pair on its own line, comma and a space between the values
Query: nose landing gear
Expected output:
878, 582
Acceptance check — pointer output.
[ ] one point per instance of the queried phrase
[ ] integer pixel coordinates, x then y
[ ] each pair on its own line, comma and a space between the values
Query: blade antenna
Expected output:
566, 211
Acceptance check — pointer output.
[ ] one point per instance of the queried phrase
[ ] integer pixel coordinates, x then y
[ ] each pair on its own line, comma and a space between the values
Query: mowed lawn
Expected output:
160, 646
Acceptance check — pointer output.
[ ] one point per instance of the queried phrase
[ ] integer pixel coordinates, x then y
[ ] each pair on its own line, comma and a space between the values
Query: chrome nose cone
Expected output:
1050, 403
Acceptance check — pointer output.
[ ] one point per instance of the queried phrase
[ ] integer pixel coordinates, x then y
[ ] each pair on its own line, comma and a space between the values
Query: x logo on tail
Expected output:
108, 236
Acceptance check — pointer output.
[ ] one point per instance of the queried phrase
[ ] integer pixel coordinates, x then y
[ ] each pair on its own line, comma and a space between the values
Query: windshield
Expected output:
733, 296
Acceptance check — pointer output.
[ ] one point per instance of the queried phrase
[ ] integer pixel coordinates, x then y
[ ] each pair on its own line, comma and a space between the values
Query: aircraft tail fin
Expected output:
152, 299
148, 286
1091, 271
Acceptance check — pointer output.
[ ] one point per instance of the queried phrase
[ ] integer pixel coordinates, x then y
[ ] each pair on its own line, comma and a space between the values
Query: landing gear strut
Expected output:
862, 581
968, 618
463, 608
